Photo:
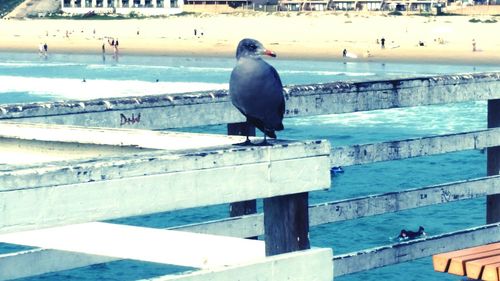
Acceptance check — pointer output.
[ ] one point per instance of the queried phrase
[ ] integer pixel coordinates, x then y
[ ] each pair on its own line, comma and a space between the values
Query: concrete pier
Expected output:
55, 154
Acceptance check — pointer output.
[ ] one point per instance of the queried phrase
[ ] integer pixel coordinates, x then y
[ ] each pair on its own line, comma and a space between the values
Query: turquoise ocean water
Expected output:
29, 78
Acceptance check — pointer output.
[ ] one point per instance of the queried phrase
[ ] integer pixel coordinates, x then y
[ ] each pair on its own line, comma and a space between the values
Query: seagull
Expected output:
256, 90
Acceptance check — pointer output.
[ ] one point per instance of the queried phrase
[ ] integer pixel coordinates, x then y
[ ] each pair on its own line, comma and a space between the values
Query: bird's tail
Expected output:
270, 134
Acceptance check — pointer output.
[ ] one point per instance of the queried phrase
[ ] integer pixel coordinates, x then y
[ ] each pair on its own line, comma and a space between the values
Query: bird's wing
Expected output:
281, 108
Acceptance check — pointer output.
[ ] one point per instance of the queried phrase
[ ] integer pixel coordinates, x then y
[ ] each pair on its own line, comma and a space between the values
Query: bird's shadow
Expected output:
249, 143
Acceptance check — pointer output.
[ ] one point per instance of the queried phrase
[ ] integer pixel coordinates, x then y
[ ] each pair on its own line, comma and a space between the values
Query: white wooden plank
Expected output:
310, 265
402, 149
144, 244
153, 163
107, 199
40, 261
172, 141
377, 204
27, 153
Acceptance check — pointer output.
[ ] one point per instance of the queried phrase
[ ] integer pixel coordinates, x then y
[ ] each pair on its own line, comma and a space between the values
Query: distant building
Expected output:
360, 5
229, 5
298, 5
145, 7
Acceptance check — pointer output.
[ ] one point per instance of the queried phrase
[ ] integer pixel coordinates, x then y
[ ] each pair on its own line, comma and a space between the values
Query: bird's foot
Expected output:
264, 143
245, 143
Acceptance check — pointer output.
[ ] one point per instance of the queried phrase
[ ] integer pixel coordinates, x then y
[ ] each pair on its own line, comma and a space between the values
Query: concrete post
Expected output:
493, 163
93, 4
143, 3
286, 223
244, 207
154, 2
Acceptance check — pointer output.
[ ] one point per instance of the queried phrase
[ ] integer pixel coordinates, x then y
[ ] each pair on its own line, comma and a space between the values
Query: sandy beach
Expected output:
446, 39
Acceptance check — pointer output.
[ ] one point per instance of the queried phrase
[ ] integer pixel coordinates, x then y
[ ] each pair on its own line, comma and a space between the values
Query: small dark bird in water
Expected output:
408, 234
256, 90
337, 170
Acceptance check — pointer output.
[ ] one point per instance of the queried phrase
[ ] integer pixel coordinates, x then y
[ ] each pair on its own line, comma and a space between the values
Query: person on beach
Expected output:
473, 45
115, 49
344, 53
40, 49
103, 52
382, 42
45, 49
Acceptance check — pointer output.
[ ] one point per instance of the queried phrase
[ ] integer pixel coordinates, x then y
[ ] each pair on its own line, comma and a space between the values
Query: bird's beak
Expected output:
269, 53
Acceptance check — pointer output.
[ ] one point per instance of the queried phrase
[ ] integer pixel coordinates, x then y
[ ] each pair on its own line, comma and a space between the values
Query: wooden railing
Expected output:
214, 107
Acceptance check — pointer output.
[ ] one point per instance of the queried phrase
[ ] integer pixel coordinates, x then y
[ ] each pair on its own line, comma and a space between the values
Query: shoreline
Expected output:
447, 40
449, 59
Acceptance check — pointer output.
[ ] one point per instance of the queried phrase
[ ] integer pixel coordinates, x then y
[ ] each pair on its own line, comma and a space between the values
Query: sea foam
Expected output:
80, 89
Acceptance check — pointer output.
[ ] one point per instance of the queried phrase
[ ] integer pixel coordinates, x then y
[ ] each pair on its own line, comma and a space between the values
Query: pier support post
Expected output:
493, 163
244, 207
286, 223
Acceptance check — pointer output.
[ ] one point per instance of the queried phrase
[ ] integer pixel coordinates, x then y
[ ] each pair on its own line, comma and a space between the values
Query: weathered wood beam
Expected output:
151, 163
139, 139
214, 107
40, 261
314, 264
402, 200
493, 163
163, 246
402, 149
415, 249
286, 223
157, 182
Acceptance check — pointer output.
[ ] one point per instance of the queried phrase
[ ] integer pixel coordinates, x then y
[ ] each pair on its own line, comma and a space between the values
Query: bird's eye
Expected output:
253, 47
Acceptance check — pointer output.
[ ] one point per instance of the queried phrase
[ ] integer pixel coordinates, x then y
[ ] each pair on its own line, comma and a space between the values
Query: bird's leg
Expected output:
247, 142
264, 142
